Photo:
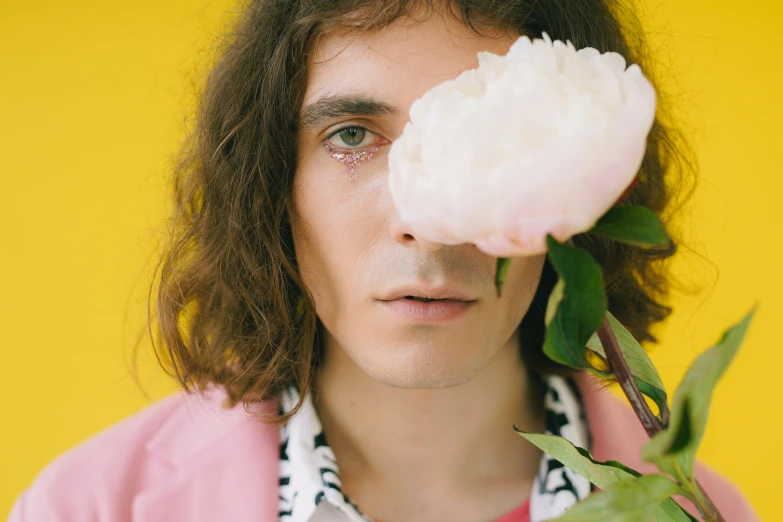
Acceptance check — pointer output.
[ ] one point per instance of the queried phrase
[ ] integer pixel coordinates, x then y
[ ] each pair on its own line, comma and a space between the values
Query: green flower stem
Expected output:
622, 373
710, 510
619, 367
697, 494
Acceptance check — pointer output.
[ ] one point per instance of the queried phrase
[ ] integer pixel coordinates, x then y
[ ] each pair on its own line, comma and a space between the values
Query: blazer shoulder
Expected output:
99, 478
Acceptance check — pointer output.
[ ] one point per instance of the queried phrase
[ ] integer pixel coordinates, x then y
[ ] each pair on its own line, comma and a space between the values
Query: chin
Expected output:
421, 368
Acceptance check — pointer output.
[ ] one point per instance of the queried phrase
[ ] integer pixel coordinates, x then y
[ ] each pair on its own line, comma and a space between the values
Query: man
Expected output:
418, 372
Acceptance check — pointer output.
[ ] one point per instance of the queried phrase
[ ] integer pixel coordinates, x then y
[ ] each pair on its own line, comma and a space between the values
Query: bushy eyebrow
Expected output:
330, 107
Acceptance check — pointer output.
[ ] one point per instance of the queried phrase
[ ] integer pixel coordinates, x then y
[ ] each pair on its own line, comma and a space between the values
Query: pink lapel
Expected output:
221, 465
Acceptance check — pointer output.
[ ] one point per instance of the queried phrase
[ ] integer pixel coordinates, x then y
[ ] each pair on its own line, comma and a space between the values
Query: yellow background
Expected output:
91, 103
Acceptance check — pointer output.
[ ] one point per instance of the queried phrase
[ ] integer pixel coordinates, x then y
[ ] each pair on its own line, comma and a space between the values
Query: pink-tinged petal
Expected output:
498, 246
542, 141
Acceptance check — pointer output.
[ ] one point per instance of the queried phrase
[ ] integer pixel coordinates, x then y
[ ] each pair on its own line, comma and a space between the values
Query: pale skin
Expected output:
419, 416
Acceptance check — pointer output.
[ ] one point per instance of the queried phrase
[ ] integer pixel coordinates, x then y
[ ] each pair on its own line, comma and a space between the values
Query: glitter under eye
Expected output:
350, 158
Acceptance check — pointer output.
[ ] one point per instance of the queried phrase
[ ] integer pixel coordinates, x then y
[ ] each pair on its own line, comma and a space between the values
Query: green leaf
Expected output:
581, 309
639, 362
501, 271
671, 511
554, 301
674, 449
634, 225
578, 459
602, 474
627, 500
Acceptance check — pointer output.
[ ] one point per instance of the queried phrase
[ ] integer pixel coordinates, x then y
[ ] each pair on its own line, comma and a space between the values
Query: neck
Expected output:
431, 443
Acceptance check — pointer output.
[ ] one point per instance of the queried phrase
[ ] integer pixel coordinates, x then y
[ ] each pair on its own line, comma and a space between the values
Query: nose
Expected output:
402, 233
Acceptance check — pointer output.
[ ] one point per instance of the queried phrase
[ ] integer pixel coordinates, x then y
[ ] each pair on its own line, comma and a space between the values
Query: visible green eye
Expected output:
352, 136
353, 150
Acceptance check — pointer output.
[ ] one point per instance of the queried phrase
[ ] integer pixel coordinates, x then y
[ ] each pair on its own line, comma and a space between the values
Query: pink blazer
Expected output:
184, 458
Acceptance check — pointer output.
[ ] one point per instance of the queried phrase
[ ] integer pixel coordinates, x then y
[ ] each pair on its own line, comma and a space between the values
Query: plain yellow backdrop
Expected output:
91, 102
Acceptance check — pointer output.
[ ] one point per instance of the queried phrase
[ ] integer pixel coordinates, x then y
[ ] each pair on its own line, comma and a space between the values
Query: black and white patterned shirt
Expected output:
310, 489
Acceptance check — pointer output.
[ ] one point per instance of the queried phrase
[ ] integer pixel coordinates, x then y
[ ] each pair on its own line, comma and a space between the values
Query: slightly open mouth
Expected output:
425, 299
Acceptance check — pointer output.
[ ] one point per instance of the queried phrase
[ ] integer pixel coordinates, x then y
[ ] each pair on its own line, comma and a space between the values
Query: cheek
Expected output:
520, 286
336, 223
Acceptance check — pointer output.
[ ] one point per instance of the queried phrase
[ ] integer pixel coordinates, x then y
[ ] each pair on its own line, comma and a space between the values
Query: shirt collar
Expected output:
310, 487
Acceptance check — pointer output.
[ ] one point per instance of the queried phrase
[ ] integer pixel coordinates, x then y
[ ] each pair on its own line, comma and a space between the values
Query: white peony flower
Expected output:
543, 140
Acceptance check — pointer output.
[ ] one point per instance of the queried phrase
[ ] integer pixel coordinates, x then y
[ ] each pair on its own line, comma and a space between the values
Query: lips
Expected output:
421, 310
423, 293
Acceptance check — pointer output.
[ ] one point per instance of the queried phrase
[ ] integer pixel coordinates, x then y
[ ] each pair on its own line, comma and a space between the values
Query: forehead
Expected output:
399, 63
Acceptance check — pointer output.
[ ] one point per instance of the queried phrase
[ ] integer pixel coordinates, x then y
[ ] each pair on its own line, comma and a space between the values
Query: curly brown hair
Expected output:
232, 308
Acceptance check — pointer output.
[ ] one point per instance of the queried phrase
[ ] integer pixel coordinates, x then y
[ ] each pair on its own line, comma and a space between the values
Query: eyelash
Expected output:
350, 157
338, 131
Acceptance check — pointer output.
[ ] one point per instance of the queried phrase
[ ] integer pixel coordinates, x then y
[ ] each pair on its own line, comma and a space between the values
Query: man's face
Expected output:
351, 247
